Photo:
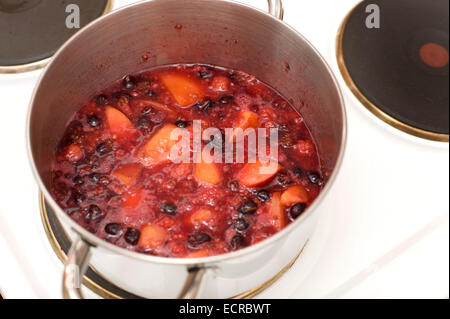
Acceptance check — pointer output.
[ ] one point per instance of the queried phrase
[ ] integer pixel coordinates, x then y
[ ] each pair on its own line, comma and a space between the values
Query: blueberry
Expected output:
195, 240
236, 242
182, 124
264, 196
78, 180
315, 178
95, 178
248, 208
205, 74
226, 100
168, 208
233, 186
205, 105
150, 93
145, 124
296, 210
283, 180
78, 197
298, 172
241, 225
132, 236
113, 229
101, 100
147, 110
128, 83
95, 213
94, 121
104, 148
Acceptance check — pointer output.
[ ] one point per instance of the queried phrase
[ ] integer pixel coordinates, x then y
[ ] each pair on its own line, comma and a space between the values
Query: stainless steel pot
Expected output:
214, 32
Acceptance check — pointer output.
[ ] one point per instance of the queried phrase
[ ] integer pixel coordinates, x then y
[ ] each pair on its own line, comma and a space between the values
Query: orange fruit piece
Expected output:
158, 148
119, 124
276, 211
247, 120
132, 198
198, 254
185, 90
208, 173
152, 236
294, 195
258, 174
127, 173
201, 216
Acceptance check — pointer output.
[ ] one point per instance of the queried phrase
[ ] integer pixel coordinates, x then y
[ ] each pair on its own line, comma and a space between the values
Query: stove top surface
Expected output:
32, 30
399, 68
385, 236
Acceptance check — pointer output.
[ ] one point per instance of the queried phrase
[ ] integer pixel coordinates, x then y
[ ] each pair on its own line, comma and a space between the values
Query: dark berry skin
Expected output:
296, 211
94, 121
283, 179
169, 208
315, 178
104, 149
101, 100
78, 180
132, 236
95, 178
128, 83
145, 124
236, 242
198, 239
182, 124
205, 105
205, 74
95, 213
263, 196
248, 208
113, 229
241, 225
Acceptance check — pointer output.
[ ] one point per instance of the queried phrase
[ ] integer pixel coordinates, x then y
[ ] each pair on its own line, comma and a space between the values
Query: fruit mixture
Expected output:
113, 175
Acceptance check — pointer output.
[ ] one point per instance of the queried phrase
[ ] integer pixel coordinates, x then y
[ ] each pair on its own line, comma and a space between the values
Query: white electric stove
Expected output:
387, 230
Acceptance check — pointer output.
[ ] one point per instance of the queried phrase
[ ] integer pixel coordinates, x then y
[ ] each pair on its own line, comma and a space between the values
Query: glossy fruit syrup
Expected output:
114, 175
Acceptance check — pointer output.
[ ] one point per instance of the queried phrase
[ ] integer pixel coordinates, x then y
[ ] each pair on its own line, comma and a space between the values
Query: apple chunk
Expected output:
127, 173
185, 90
152, 236
258, 174
158, 148
294, 195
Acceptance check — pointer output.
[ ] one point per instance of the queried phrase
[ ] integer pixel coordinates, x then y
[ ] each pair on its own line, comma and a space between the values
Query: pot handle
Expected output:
75, 267
78, 262
276, 8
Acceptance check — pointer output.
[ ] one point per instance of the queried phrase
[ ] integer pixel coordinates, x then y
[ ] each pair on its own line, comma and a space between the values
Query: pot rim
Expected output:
98, 242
